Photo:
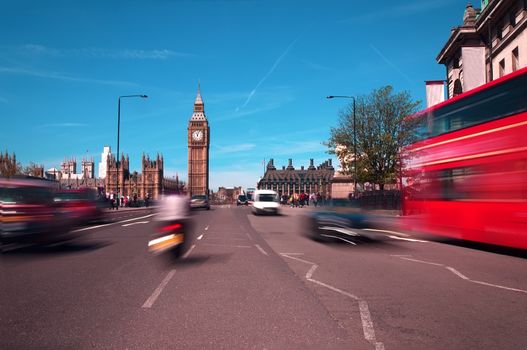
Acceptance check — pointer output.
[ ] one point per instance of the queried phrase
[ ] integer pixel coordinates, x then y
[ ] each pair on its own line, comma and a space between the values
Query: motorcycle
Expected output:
173, 235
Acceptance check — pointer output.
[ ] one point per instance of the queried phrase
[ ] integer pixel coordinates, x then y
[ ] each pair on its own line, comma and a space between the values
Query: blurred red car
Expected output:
29, 213
82, 206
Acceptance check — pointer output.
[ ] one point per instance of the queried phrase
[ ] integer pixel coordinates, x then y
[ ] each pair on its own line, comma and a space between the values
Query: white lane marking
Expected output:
261, 250
248, 235
367, 325
309, 274
135, 223
498, 286
152, 299
200, 237
206, 228
92, 227
462, 276
387, 231
227, 239
456, 272
295, 258
366, 319
111, 223
421, 261
407, 239
137, 218
291, 253
189, 251
227, 245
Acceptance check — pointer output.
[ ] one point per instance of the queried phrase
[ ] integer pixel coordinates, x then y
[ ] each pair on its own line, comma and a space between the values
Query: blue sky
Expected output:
265, 68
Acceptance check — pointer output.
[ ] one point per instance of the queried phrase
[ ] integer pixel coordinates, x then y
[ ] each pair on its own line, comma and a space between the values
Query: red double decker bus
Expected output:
466, 175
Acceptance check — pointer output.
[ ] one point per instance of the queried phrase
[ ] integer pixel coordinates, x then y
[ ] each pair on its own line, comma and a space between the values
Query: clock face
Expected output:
197, 135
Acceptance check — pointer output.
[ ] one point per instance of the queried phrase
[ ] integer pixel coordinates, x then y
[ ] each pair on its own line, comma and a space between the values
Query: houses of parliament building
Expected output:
149, 183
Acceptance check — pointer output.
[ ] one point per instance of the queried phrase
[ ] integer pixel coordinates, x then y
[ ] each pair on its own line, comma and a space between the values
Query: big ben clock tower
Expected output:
198, 149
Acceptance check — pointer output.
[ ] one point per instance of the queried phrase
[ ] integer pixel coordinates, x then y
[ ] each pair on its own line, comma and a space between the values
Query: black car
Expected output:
340, 219
242, 200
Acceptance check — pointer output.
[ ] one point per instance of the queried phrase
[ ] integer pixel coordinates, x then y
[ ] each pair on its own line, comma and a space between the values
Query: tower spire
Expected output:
199, 100
199, 107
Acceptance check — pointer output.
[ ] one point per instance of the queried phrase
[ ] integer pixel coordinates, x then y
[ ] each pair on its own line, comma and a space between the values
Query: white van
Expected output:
265, 202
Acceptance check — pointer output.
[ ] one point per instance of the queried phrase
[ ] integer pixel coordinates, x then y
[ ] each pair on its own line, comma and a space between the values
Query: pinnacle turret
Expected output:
199, 107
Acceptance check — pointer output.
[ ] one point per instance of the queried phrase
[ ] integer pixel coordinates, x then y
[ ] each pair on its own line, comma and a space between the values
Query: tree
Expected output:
9, 166
33, 169
381, 131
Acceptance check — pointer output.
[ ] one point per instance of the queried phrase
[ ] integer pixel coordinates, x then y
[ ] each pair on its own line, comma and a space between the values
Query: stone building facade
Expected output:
227, 195
149, 182
68, 169
491, 42
289, 180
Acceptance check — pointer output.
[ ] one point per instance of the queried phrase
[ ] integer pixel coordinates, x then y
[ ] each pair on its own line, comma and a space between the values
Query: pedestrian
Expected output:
313, 198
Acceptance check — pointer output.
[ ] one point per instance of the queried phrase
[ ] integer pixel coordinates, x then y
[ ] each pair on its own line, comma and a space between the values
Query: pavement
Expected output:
129, 209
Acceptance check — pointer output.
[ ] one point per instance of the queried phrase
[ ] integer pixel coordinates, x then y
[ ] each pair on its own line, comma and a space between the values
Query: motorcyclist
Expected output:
174, 226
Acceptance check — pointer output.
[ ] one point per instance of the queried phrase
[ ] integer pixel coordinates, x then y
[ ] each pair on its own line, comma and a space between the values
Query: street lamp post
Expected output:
118, 130
354, 142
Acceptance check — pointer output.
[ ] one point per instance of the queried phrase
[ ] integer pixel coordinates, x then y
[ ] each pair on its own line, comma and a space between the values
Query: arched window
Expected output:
458, 89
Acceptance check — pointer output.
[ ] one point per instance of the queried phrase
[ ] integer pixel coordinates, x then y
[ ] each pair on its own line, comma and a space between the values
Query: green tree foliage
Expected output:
381, 131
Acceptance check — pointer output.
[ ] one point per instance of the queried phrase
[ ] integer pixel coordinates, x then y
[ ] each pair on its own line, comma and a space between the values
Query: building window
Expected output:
502, 68
499, 30
458, 88
512, 17
515, 59
456, 63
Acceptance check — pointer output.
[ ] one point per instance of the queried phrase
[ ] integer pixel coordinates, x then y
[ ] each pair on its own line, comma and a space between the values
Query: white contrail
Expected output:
276, 63
391, 64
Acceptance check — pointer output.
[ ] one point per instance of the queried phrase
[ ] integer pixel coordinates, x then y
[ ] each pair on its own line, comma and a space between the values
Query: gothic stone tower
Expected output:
152, 176
68, 167
198, 149
111, 177
88, 168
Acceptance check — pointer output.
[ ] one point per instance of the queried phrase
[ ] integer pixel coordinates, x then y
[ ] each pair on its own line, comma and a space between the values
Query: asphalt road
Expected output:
255, 282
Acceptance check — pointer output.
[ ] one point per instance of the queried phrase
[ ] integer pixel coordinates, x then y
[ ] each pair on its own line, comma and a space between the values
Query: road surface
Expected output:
255, 282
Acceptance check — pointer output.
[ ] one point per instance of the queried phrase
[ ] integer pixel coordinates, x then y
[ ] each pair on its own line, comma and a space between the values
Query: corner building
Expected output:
290, 180
491, 42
